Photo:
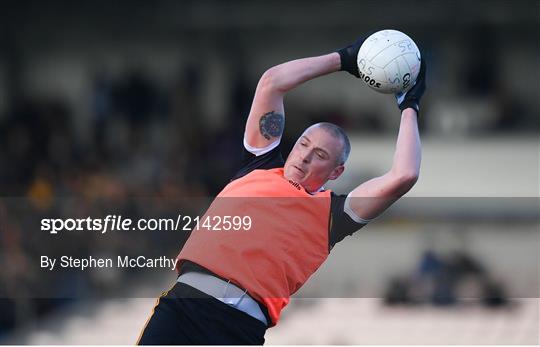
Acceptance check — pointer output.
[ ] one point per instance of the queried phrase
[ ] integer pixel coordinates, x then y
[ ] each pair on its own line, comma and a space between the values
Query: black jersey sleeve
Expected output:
267, 161
341, 224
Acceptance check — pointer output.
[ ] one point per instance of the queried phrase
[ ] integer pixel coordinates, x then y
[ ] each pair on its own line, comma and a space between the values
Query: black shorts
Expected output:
187, 316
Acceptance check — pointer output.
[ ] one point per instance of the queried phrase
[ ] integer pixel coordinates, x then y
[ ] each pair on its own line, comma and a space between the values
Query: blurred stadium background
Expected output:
108, 102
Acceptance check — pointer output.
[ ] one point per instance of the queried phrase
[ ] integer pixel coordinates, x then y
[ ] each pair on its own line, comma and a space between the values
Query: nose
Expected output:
306, 156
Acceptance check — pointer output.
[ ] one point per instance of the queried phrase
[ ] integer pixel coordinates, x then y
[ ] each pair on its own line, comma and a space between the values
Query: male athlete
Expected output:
234, 284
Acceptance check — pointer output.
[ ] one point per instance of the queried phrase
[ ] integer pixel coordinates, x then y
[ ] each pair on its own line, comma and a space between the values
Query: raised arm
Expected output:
266, 119
371, 198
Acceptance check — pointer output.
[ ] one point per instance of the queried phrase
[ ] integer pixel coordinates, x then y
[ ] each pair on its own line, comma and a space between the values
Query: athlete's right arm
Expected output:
266, 120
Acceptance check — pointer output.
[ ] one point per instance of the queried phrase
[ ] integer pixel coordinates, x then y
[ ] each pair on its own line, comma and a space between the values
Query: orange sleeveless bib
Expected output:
286, 244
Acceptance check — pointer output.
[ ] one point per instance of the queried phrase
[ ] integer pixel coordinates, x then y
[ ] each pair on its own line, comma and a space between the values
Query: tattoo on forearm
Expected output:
271, 125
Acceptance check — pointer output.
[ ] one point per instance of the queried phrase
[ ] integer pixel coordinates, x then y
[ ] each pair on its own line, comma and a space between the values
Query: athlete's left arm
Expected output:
371, 198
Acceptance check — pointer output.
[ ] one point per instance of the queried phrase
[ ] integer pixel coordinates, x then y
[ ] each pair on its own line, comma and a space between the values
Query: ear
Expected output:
337, 172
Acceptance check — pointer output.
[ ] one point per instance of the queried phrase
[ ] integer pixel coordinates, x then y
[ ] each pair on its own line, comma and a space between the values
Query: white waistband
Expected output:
225, 292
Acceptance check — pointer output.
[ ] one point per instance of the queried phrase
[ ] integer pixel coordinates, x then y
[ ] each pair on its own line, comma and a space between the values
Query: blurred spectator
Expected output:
443, 281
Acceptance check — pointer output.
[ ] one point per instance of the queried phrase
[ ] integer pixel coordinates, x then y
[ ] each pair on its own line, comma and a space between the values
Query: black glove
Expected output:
349, 56
412, 97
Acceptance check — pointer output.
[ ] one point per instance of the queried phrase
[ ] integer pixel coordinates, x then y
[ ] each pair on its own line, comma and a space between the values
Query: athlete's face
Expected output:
314, 159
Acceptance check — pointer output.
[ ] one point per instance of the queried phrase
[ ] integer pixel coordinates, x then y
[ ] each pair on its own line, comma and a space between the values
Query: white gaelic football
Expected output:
389, 61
